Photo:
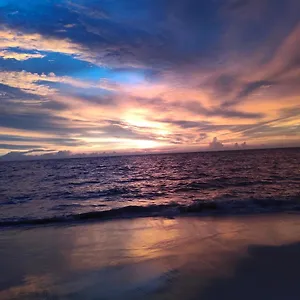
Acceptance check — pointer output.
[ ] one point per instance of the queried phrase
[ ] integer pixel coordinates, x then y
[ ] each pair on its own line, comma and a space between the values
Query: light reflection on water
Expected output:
132, 258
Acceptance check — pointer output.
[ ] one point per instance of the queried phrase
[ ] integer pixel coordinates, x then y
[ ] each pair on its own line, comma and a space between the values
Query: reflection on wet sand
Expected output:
31, 285
128, 259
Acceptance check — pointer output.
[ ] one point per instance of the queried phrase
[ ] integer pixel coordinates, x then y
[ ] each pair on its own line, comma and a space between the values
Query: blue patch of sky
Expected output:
68, 65
125, 76
58, 63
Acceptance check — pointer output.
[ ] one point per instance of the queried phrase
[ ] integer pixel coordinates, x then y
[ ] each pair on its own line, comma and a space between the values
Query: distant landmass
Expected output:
215, 145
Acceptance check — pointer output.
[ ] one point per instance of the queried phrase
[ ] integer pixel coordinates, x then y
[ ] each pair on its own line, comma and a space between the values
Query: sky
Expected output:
134, 75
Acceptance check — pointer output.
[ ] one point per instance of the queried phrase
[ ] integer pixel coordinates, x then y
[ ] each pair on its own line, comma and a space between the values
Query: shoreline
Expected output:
152, 258
201, 210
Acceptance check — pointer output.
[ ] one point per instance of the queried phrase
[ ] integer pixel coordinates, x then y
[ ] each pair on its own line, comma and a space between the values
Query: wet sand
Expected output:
242, 257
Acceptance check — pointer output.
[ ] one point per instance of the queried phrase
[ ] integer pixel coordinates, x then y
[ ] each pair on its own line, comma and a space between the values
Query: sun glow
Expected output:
146, 144
106, 143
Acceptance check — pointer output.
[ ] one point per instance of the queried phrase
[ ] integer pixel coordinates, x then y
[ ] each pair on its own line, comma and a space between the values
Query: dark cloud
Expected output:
246, 131
224, 84
17, 147
39, 121
267, 129
293, 111
151, 32
38, 151
53, 105
9, 93
96, 97
251, 87
57, 141
197, 108
203, 125
235, 114
246, 90
201, 137
43, 122
186, 124
271, 128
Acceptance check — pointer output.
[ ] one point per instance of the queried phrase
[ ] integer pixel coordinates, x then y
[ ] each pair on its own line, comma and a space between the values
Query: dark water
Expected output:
40, 192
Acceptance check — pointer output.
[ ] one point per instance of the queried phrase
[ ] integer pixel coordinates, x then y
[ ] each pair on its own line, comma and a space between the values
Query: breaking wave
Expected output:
200, 208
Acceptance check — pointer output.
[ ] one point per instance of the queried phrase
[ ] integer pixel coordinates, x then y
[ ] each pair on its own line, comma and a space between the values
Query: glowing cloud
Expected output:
113, 76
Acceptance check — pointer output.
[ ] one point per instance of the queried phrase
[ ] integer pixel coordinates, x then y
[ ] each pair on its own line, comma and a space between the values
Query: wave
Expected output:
220, 183
212, 207
16, 200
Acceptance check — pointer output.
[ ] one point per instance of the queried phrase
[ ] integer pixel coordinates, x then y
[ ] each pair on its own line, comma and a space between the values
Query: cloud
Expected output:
197, 108
156, 33
246, 90
13, 38
240, 146
63, 141
186, 124
54, 105
152, 33
52, 62
251, 87
19, 56
40, 121
9, 94
38, 151
36, 154
17, 147
34, 83
215, 144
84, 74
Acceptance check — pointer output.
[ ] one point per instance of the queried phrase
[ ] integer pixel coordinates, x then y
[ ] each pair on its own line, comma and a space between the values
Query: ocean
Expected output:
171, 226
86, 189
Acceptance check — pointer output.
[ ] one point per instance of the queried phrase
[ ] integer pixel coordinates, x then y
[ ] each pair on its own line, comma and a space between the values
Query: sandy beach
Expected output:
242, 257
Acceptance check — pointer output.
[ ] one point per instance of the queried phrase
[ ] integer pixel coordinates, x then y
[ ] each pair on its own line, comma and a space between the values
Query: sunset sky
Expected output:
130, 75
